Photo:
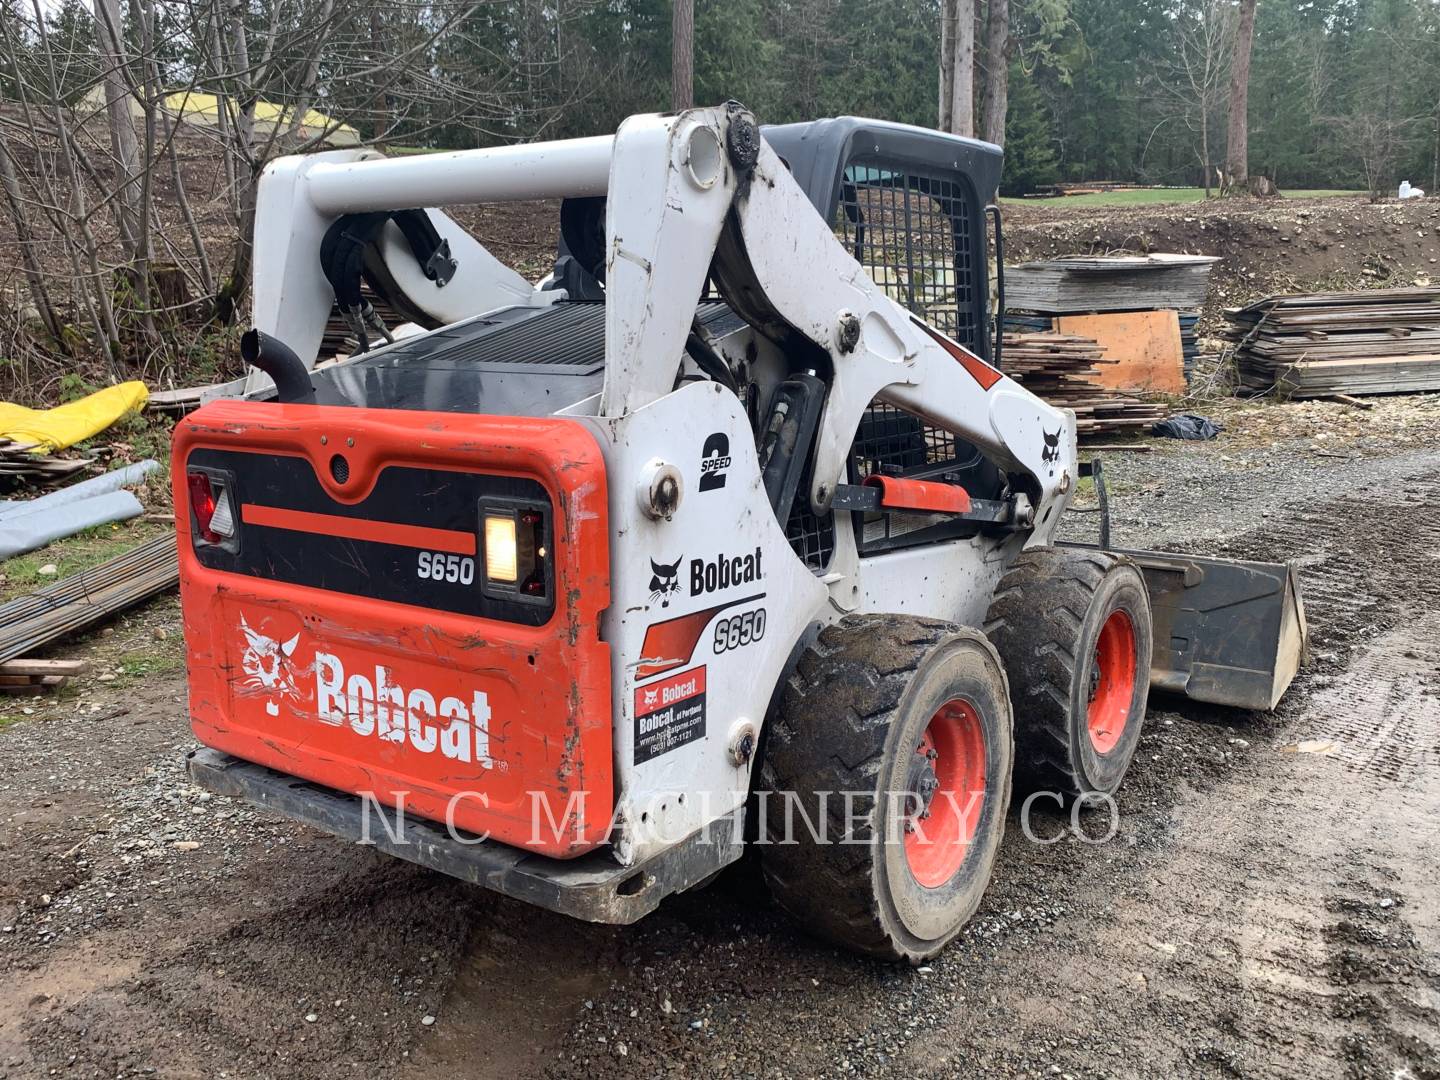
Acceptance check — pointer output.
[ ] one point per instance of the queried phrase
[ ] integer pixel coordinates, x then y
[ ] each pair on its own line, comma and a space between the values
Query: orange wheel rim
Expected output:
1112, 682
947, 792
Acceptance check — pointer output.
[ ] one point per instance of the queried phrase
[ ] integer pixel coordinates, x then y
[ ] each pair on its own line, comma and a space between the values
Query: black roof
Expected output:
818, 150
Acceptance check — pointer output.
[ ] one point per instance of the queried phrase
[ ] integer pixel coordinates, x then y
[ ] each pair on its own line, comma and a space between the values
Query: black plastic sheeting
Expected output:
1187, 426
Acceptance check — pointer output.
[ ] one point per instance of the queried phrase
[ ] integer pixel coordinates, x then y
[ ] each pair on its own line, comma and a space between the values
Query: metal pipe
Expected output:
278, 360
544, 170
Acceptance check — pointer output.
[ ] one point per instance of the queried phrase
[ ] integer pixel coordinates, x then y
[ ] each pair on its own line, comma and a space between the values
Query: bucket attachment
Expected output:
1226, 632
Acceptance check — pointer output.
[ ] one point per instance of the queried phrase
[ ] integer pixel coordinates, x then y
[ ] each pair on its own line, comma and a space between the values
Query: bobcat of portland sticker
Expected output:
669, 713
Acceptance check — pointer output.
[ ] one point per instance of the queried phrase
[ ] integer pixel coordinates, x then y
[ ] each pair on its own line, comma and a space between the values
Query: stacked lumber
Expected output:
1079, 284
1377, 341
28, 622
20, 464
24, 677
1189, 341
1058, 369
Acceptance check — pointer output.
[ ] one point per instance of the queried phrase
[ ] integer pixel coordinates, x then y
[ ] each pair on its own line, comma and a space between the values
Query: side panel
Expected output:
708, 607
318, 648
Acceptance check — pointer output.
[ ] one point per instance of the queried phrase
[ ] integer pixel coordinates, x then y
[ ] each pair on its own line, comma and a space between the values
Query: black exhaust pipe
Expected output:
278, 360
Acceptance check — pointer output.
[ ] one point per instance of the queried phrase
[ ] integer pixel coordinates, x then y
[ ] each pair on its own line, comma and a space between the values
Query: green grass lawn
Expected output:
1149, 196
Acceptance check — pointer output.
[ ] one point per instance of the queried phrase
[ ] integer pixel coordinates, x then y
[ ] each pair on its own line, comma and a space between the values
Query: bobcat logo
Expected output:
664, 581
267, 664
1051, 453
652, 696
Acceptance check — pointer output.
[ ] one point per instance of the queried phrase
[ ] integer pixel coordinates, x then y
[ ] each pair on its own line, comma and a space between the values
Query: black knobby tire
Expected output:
851, 718
1047, 619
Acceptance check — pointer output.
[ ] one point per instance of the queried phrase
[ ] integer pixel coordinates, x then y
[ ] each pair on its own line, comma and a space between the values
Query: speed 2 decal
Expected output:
669, 714
714, 461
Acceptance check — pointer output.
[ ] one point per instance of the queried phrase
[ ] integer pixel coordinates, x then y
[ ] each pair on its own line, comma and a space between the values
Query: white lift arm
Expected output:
673, 182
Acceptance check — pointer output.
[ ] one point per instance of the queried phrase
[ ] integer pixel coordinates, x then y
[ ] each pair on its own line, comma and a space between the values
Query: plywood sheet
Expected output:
1144, 347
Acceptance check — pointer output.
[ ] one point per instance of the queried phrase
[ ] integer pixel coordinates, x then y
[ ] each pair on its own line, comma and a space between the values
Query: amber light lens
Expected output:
501, 560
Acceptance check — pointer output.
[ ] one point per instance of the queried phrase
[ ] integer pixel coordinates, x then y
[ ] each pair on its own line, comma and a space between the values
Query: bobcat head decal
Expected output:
267, 665
1051, 453
664, 580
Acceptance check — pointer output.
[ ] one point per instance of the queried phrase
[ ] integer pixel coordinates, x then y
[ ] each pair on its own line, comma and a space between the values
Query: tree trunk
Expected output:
947, 65
1435, 157
682, 56
307, 87
89, 286
34, 275
997, 81
222, 110
247, 172
383, 119
182, 201
237, 284
110, 38
1205, 150
142, 19
962, 102
1237, 143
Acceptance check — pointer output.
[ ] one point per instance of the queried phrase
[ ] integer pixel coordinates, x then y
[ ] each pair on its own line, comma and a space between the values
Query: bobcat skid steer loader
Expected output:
731, 530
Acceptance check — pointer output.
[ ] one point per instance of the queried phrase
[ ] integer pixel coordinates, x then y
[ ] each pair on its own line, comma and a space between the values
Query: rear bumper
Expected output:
593, 888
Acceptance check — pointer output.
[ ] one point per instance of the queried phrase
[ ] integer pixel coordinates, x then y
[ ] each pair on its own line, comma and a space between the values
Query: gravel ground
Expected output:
1265, 908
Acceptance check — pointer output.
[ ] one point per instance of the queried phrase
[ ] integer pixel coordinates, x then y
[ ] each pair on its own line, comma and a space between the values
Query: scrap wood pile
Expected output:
1057, 367
28, 463
23, 677
1380, 341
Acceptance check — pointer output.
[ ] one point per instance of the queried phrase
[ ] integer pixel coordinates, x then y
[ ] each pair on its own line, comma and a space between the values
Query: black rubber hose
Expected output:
278, 360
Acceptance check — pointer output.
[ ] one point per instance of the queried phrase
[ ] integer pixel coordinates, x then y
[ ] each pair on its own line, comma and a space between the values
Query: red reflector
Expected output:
202, 502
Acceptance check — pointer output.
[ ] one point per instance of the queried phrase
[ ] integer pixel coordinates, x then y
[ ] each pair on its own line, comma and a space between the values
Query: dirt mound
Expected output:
1265, 245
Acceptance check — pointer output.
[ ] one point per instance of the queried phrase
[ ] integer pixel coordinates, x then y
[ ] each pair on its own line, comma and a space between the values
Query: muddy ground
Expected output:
1267, 908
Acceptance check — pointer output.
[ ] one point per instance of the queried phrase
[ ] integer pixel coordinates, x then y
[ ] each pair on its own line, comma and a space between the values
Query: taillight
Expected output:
516, 552
533, 552
210, 505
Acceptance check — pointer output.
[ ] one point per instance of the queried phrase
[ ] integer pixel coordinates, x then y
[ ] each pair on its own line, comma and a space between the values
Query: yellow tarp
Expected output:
65, 425
205, 109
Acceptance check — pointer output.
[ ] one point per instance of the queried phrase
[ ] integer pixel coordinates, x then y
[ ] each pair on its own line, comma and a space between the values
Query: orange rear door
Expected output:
404, 605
